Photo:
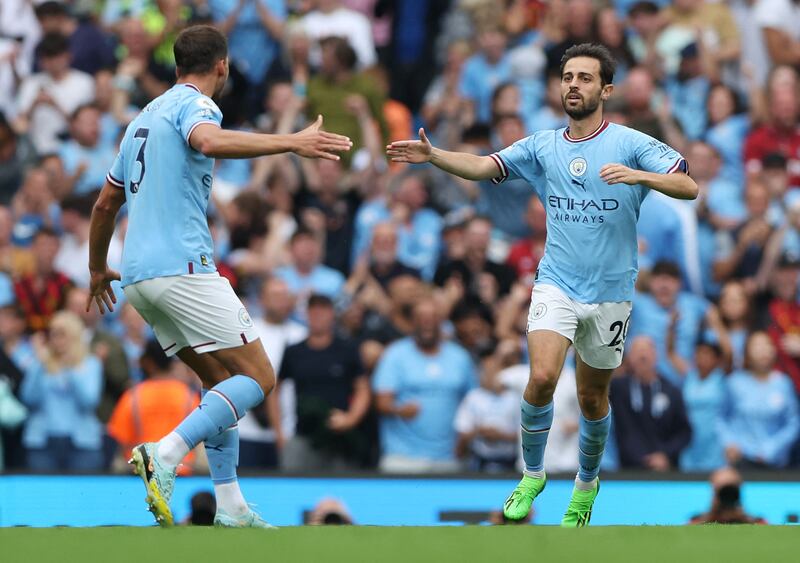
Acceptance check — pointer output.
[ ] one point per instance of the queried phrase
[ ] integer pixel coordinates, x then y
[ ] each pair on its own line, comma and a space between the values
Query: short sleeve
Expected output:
197, 110
651, 155
116, 175
772, 13
517, 161
465, 420
388, 374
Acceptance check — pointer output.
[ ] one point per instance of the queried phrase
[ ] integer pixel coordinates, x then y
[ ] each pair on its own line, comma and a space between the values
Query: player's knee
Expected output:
542, 383
264, 375
593, 401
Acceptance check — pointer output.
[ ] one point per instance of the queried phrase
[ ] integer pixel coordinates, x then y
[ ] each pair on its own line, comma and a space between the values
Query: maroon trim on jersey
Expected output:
501, 166
204, 344
244, 338
680, 165
191, 267
114, 182
589, 137
170, 347
193, 87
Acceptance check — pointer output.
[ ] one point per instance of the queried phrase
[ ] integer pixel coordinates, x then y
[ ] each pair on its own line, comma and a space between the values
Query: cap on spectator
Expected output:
50, 9
666, 268
319, 300
53, 45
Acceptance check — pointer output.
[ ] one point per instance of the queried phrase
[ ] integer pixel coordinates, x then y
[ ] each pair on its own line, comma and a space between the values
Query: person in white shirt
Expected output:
779, 21
46, 99
331, 19
259, 444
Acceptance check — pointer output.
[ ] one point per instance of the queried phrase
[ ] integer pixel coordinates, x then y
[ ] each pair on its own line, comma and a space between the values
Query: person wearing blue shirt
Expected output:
86, 156
164, 173
592, 178
704, 399
727, 130
62, 389
254, 29
761, 420
419, 383
666, 308
485, 71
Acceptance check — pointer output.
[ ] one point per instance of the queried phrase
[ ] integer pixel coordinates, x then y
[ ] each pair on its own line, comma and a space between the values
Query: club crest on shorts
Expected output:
578, 167
539, 311
244, 317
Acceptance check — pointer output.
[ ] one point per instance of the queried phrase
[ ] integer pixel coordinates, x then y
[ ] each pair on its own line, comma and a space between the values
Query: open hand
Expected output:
313, 142
414, 152
619, 174
100, 290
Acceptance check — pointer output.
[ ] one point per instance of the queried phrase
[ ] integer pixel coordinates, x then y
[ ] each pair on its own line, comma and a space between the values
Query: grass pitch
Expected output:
707, 544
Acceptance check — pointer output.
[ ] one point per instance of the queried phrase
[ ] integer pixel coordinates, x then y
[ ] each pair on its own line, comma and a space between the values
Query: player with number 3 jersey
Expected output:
164, 173
592, 178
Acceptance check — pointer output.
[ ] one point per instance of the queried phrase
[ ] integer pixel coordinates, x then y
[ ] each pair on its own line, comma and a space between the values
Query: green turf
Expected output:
517, 544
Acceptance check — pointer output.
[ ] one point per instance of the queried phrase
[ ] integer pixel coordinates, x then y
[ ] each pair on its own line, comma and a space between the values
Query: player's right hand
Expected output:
100, 290
413, 152
313, 142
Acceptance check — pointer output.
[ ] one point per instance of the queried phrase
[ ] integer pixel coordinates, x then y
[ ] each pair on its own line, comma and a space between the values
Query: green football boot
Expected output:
579, 511
249, 520
159, 480
518, 504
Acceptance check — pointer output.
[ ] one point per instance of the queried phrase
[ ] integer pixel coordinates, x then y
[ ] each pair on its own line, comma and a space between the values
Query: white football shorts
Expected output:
200, 311
597, 330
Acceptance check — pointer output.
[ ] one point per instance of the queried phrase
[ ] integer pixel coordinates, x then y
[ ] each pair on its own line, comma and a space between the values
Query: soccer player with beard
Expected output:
592, 177
164, 173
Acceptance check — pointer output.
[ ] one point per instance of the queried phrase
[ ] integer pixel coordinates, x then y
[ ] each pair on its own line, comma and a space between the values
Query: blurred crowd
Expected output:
392, 300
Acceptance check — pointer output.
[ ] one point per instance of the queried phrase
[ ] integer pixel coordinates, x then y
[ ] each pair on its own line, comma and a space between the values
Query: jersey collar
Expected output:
600, 129
192, 86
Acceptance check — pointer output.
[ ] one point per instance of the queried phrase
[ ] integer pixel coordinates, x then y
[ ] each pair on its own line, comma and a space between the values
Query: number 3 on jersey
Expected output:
141, 133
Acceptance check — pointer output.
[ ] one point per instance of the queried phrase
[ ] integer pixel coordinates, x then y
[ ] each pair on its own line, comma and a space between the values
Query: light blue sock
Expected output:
221, 407
222, 452
536, 422
591, 444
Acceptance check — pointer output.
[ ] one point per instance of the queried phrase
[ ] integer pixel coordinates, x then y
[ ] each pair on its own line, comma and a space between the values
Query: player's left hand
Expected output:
619, 174
100, 290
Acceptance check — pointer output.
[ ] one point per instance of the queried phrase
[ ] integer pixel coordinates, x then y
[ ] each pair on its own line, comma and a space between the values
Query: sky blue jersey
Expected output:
591, 250
167, 184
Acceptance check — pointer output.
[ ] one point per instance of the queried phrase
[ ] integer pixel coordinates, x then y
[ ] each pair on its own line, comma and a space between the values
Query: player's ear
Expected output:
607, 91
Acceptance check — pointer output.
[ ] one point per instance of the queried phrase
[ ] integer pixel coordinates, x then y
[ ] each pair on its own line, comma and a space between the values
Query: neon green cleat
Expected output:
159, 480
518, 504
249, 520
579, 511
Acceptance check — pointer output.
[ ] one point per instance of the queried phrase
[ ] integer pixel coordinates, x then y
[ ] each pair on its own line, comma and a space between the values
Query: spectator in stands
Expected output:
487, 421
333, 396
649, 414
783, 318
526, 253
16, 343
62, 390
331, 19
44, 291
73, 252
12, 413
761, 420
16, 154
419, 383
779, 134
484, 71
47, 98
473, 325
86, 159
480, 276
726, 507
34, 206
254, 30
329, 91
384, 264
668, 311
638, 91
90, 49
149, 410
305, 274
704, 397
740, 252
139, 77
779, 21
728, 125
722, 196
260, 437
736, 314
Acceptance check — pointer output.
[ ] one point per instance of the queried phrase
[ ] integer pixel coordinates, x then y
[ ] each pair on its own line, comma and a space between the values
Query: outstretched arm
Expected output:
465, 165
311, 142
674, 184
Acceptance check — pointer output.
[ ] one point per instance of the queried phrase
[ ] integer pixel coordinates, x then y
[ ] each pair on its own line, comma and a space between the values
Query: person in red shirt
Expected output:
525, 254
780, 133
784, 318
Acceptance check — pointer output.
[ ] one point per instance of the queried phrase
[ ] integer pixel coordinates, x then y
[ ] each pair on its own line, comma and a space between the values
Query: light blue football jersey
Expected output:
167, 185
592, 248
